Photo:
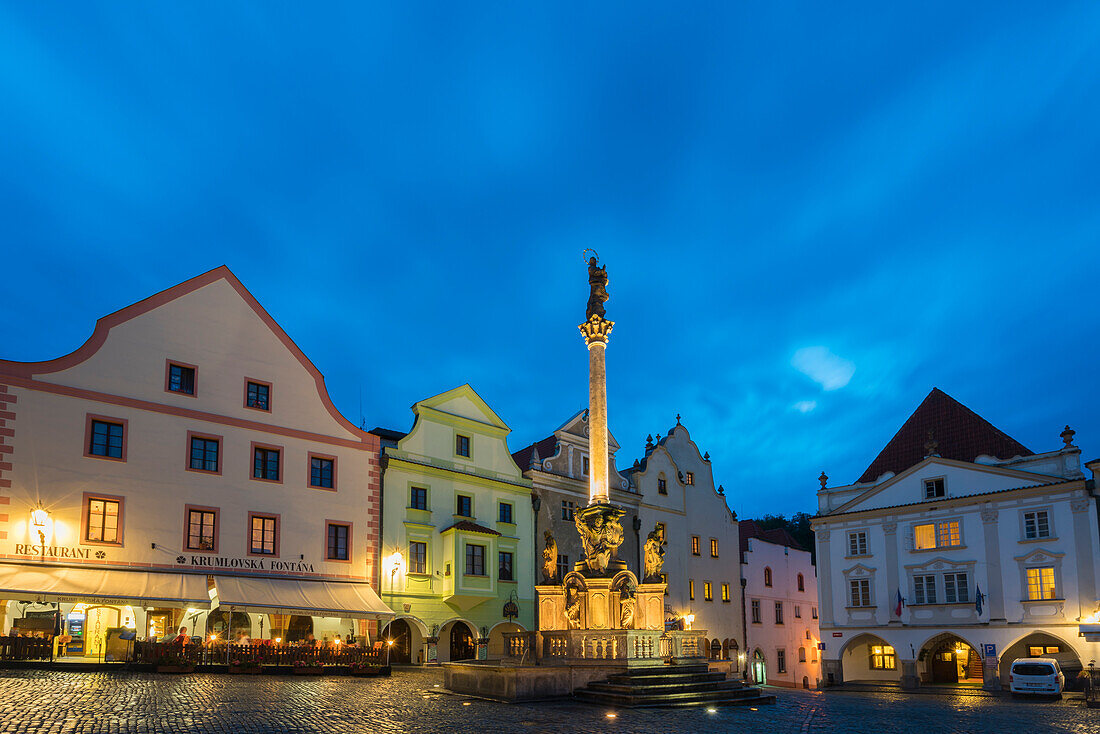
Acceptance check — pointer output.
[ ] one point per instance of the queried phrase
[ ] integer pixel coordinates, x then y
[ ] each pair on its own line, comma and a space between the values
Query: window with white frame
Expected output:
860, 592
944, 534
1036, 524
956, 588
857, 544
934, 488
924, 589
1040, 583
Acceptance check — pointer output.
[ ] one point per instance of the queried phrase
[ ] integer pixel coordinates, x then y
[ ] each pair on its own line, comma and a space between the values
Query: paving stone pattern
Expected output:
48, 702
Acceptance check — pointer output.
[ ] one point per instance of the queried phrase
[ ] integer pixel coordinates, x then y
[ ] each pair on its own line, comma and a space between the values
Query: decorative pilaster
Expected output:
995, 581
890, 530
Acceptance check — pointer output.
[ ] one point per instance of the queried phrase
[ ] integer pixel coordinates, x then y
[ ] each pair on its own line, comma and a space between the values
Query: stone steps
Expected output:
671, 686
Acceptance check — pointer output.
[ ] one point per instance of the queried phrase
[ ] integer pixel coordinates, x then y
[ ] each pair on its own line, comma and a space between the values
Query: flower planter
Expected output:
175, 668
363, 671
242, 670
308, 670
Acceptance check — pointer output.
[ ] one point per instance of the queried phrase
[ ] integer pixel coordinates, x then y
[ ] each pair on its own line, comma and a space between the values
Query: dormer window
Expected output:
662, 485
689, 478
934, 488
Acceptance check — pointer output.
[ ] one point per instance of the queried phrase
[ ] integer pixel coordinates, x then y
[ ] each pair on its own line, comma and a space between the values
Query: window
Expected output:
779, 612
813, 612
883, 657
462, 445
418, 557
695, 545
181, 379
107, 439
956, 590
1040, 583
933, 488
563, 566
689, 478
201, 530
567, 508
801, 583
708, 594
584, 465
257, 395
1053, 649
339, 537
755, 611
475, 560
322, 472
937, 535
418, 498
464, 505
797, 612
781, 661
103, 520
265, 463
691, 589
264, 529
505, 573
767, 576
924, 590
857, 544
725, 592
801, 654
860, 592
1035, 651
1036, 525
662, 486
204, 454
504, 512
714, 547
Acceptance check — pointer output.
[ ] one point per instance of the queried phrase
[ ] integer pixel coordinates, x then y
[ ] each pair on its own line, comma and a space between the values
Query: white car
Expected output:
1036, 675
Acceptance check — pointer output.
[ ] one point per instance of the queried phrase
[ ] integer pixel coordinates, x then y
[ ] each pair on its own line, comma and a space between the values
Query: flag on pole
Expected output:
897, 607
978, 599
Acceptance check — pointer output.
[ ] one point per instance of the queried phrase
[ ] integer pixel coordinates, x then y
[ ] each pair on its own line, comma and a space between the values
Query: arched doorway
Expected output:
735, 656
759, 667
950, 660
398, 631
1042, 645
868, 657
462, 646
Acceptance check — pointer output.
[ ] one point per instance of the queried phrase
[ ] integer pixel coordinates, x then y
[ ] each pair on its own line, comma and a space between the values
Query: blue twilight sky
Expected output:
811, 213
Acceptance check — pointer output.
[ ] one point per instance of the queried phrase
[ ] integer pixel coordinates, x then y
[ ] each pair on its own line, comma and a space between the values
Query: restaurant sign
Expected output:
251, 564
51, 551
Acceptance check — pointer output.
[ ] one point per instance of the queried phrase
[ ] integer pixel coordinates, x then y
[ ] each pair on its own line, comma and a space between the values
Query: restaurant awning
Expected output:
293, 596
27, 582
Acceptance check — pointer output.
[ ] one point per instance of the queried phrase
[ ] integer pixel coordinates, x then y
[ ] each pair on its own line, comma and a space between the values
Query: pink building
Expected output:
781, 616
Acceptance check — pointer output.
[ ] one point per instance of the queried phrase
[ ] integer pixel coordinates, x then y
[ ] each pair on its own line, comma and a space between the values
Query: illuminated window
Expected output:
691, 589
883, 657
714, 547
695, 545
947, 534
200, 529
767, 576
725, 592
264, 533
1053, 649
418, 557
857, 544
708, 594
1040, 583
937, 535
1035, 651
689, 478
103, 516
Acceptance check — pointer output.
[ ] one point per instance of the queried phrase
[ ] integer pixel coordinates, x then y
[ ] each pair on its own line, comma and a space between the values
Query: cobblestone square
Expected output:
131, 703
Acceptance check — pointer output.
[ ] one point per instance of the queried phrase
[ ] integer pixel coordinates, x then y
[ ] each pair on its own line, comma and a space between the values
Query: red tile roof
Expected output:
470, 527
959, 433
547, 448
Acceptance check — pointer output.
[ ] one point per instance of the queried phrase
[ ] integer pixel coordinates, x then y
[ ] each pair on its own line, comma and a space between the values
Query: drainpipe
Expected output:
744, 634
383, 462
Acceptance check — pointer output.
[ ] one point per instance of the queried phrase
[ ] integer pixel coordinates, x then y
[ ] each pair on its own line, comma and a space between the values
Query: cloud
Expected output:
824, 367
805, 406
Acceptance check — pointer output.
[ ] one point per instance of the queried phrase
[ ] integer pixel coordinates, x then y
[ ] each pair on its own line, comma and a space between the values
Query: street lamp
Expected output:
389, 646
394, 561
39, 516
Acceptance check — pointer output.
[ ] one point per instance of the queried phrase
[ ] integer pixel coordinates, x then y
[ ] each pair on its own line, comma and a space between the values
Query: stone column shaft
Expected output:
597, 422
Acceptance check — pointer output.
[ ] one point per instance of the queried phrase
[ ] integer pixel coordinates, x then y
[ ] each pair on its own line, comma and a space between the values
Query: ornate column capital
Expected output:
989, 515
890, 527
596, 330
1080, 504
823, 534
